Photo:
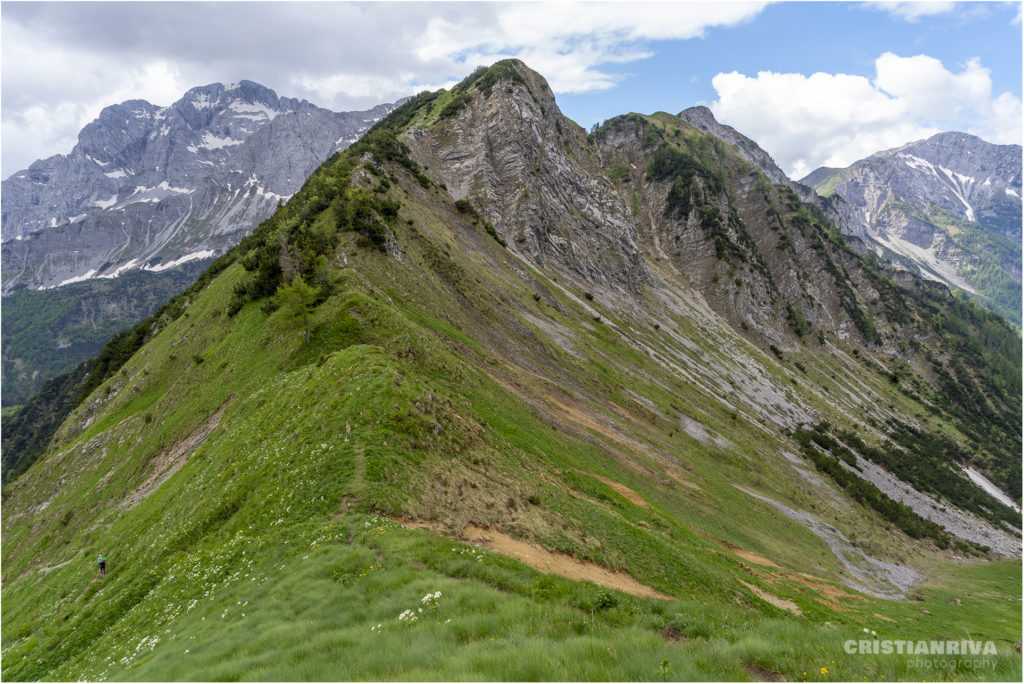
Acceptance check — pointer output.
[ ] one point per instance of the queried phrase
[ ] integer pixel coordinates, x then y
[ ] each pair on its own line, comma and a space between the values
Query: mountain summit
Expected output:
493, 398
948, 206
150, 187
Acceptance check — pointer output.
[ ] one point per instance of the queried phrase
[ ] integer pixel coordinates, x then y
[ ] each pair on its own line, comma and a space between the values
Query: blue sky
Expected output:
833, 38
812, 82
805, 37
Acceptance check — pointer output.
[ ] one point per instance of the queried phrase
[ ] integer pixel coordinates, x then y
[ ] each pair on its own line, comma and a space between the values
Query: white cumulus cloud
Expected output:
912, 11
835, 119
571, 43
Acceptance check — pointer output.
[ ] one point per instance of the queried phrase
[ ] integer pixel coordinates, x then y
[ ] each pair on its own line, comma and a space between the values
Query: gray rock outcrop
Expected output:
948, 207
150, 187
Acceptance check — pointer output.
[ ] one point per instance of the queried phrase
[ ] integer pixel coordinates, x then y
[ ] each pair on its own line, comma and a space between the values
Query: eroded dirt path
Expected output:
784, 604
559, 563
169, 461
541, 559
622, 489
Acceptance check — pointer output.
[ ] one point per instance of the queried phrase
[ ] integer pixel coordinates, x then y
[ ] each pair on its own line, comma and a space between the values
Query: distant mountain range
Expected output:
150, 187
948, 207
146, 190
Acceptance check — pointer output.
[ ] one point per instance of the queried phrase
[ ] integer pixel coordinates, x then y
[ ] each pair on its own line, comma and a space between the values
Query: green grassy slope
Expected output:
245, 486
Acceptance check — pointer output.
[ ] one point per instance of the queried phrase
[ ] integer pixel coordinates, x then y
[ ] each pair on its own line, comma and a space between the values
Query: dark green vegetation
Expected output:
933, 473
27, 429
243, 462
48, 332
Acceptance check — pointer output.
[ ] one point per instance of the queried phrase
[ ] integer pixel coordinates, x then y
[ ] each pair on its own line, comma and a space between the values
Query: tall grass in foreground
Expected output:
322, 602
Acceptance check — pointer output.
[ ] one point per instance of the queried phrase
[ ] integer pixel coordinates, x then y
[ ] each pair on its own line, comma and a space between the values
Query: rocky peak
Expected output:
499, 139
703, 120
147, 186
848, 221
948, 206
202, 106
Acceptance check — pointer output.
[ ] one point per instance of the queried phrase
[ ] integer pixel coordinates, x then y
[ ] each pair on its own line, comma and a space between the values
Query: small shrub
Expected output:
605, 600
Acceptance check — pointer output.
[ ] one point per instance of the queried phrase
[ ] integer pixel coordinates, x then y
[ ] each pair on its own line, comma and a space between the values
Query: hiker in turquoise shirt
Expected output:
102, 562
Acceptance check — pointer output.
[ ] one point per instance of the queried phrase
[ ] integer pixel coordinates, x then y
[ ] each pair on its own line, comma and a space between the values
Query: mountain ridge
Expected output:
947, 206
212, 164
385, 354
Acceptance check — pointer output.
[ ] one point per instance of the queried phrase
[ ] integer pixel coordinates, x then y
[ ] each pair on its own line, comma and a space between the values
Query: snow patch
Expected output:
272, 195
120, 269
164, 185
202, 101
202, 254
105, 204
1011, 192
53, 222
97, 161
77, 279
960, 189
77, 218
959, 182
212, 142
256, 112
919, 164
116, 174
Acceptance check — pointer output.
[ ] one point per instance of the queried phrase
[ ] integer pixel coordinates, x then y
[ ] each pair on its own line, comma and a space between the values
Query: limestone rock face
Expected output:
149, 187
948, 207
513, 152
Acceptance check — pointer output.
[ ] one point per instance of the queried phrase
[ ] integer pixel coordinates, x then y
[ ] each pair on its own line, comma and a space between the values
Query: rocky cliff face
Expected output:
949, 207
542, 188
680, 208
150, 187
846, 218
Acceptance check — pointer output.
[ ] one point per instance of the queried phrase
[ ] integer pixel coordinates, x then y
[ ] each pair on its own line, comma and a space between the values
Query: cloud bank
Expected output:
835, 119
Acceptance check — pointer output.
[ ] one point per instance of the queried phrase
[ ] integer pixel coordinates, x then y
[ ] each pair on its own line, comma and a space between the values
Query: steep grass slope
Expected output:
270, 509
